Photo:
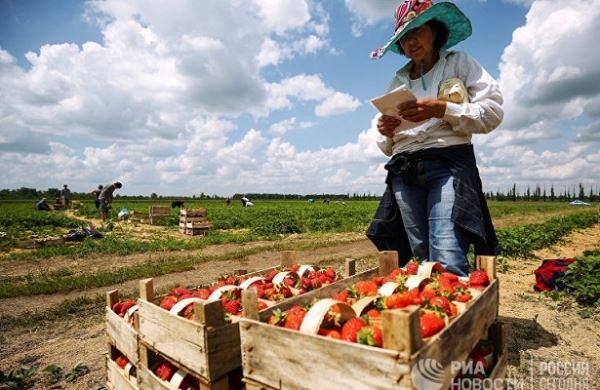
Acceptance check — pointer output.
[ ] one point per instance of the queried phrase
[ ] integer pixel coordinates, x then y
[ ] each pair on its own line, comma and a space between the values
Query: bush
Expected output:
582, 278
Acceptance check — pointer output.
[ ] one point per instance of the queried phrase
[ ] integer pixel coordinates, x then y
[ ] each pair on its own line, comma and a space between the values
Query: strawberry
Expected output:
121, 361
341, 296
117, 307
478, 278
168, 302
294, 317
441, 302
462, 295
453, 310
271, 274
412, 267
378, 280
178, 291
293, 268
232, 306
334, 334
324, 279
202, 293
449, 276
429, 292
286, 292
431, 324
365, 288
351, 328
306, 283
330, 273
188, 311
370, 335
398, 301
373, 313
165, 371
262, 305
277, 318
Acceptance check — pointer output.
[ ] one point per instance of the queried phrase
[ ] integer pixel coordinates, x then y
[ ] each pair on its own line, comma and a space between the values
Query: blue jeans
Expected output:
426, 208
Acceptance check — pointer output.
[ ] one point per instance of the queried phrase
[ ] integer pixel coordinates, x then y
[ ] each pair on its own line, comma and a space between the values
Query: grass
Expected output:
59, 282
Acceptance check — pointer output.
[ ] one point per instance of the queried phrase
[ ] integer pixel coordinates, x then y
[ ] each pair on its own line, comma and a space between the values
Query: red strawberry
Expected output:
373, 313
449, 276
412, 267
202, 293
262, 306
293, 268
429, 292
168, 302
117, 307
341, 296
398, 301
188, 312
365, 288
178, 291
462, 295
277, 318
334, 334
121, 361
478, 278
378, 280
370, 335
285, 291
271, 275
294, 317
441, 302
165, 371
232, 306
306, 283
431, 324
351, 328
330, 273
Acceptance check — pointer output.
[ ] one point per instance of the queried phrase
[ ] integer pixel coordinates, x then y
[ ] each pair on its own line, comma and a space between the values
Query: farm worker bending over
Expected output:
432, 176
106, 198
96, 192
42, 205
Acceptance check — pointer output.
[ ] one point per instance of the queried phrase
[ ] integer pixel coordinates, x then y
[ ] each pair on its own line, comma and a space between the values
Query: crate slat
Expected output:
117, 379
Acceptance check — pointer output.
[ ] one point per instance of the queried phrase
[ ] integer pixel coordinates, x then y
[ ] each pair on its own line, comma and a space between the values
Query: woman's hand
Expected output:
387, 124
422, 109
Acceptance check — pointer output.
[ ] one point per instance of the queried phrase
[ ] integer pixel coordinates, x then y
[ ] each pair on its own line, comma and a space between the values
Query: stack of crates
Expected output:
193, 222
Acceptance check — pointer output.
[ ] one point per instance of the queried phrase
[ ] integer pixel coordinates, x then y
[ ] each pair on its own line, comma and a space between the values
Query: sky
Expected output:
272, 96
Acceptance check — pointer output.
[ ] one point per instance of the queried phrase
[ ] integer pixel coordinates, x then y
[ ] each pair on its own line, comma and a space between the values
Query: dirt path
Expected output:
538, 328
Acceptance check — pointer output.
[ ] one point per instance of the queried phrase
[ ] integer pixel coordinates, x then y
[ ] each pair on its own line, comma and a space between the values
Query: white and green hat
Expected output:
415, 13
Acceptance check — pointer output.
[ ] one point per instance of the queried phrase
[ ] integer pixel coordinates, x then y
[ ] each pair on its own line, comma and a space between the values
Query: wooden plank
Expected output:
209, 314
349, 267
388, 261
149, 381
250, 304
199, 212
287, 258
402, 329
223, 348
122, 335
182, 340
488, 264
147, 289
112, 297
315, 362
116, 377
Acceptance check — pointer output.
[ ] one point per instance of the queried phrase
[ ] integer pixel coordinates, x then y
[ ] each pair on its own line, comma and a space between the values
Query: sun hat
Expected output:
415, 13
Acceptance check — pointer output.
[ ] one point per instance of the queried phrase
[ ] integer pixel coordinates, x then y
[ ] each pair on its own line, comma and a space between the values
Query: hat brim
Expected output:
458, 25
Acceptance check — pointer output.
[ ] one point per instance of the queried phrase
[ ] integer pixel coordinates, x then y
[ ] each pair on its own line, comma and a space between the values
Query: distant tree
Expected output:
153, 195
581, 192
552, 196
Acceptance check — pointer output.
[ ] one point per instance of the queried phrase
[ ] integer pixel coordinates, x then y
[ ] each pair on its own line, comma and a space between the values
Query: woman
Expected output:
432, 174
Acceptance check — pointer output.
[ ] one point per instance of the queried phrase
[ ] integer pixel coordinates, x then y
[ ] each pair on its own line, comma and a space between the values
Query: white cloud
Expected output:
368, 13
337, 103
285, 125
283, 15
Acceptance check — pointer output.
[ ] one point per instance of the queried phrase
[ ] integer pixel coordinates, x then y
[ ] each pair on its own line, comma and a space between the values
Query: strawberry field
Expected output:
54, 296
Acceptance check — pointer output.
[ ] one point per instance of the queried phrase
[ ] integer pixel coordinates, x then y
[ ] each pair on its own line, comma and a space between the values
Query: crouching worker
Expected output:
106, 198
42, 205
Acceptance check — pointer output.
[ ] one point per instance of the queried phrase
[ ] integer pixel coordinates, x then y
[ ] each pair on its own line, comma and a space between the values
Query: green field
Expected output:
267, 220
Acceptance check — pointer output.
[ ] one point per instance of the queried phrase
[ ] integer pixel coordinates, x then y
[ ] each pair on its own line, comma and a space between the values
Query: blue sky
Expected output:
272, 95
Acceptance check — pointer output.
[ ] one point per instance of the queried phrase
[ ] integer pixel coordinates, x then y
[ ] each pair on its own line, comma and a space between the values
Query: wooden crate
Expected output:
279, 358
205, 346
120, 333
116, 377
193, 213
155, 213
193, 222
148, 380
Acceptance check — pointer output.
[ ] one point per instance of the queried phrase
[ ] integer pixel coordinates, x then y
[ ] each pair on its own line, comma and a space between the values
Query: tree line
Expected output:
540, 194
